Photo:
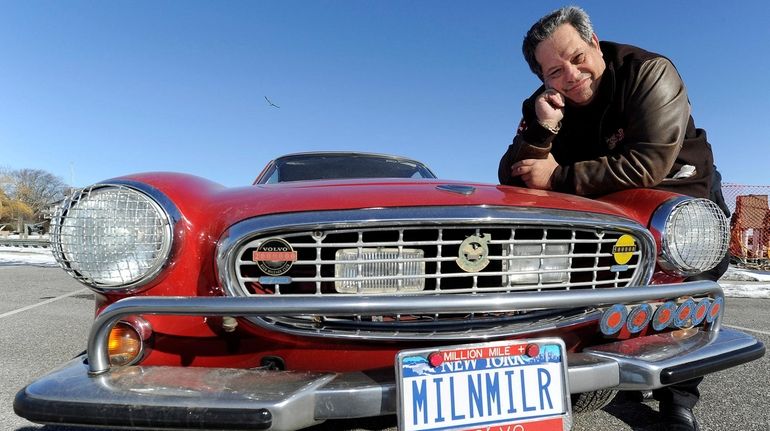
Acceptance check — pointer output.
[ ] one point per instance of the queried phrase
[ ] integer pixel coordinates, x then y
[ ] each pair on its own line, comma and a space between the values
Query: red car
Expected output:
346, 285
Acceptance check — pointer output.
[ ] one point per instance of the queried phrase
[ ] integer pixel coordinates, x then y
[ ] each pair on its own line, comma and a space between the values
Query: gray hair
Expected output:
544, 28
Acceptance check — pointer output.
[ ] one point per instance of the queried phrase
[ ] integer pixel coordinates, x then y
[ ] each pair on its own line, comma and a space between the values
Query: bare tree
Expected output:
36, 188
13, 212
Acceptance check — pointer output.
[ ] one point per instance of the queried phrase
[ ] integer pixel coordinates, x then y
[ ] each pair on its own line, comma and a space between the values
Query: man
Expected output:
609, 117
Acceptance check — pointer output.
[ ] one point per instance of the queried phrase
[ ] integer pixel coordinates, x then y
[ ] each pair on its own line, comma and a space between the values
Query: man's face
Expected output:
571, 66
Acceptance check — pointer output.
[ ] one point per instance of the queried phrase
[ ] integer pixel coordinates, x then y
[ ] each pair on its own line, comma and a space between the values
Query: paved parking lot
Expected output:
45, 316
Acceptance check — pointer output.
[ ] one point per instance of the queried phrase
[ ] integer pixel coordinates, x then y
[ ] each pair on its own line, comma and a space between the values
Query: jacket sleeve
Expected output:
656, 112
532, 141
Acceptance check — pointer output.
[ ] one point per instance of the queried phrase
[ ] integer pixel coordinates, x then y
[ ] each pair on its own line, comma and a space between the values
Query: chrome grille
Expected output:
563, 251
589, 255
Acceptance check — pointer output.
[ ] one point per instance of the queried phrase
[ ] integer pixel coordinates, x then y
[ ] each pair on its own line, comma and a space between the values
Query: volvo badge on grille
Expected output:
274, 256
474, 253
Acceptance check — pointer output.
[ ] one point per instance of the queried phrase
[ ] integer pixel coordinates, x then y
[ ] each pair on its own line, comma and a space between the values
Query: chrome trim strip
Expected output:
658, 228
492, 329
375, 305
490, 273
171, 210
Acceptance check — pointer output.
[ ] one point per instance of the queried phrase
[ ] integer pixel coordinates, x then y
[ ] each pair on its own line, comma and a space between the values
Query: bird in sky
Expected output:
271, 103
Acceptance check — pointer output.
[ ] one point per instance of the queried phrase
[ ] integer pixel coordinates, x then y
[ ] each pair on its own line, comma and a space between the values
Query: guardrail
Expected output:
16, 242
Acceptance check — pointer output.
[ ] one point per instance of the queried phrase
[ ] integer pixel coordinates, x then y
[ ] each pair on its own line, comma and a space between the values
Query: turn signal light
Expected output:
124, 345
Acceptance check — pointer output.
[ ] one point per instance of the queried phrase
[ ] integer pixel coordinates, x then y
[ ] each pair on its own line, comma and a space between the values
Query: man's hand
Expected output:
536, 173
549, 108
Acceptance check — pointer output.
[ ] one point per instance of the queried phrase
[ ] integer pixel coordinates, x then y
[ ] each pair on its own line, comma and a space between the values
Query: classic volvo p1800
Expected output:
348, 285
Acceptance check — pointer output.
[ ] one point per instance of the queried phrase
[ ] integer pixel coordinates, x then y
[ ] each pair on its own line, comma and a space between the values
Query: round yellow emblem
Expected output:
624, 249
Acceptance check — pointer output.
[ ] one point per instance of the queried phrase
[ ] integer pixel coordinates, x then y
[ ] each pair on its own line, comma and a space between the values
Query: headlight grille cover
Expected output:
696, 236
111, 236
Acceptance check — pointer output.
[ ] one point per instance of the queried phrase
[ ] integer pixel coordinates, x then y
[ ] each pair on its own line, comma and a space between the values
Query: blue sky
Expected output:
91, 90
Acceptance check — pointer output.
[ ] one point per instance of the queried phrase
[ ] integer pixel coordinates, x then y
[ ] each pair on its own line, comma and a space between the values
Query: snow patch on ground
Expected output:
739, 274
745, 283
35, 256
759, 290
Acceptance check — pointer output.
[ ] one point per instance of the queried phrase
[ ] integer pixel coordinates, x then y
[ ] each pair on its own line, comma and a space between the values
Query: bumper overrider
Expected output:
86, 391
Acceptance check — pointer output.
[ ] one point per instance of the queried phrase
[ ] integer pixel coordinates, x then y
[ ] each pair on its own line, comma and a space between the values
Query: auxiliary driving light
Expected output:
541, 268
664, 315
125, 344
715, 309
638, 318
701, 311
379, 270
613, 319
684, 314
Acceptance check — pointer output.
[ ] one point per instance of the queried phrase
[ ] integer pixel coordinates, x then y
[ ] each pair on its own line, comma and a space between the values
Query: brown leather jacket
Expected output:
638, 132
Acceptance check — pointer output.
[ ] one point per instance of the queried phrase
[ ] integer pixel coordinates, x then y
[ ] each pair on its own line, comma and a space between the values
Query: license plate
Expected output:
516, 385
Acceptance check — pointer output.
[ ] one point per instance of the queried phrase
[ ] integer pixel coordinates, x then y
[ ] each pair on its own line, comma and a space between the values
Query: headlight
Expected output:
111, 237
693, 235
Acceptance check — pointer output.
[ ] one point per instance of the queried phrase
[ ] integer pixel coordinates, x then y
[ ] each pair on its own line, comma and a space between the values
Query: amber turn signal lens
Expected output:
125, 344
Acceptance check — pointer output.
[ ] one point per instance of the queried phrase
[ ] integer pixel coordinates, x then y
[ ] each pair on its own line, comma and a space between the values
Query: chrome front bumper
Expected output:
86, 392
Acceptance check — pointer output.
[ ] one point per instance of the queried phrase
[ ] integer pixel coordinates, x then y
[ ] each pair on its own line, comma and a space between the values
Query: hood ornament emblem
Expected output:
457, 188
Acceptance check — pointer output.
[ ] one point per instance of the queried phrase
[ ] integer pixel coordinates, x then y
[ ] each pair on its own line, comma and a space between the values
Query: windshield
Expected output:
327, 166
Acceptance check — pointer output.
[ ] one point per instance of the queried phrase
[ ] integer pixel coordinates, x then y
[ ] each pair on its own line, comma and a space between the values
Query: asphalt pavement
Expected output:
45, 317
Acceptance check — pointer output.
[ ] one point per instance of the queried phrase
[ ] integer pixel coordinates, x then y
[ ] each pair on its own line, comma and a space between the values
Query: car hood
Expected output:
201, 199
349, 194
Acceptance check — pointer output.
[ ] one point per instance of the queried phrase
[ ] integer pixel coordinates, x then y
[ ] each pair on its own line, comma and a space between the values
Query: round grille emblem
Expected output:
474, 253
624, 249
274, 256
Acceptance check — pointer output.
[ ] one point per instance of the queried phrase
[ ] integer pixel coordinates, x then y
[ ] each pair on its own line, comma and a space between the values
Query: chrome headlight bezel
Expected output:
712, 237
94, 239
